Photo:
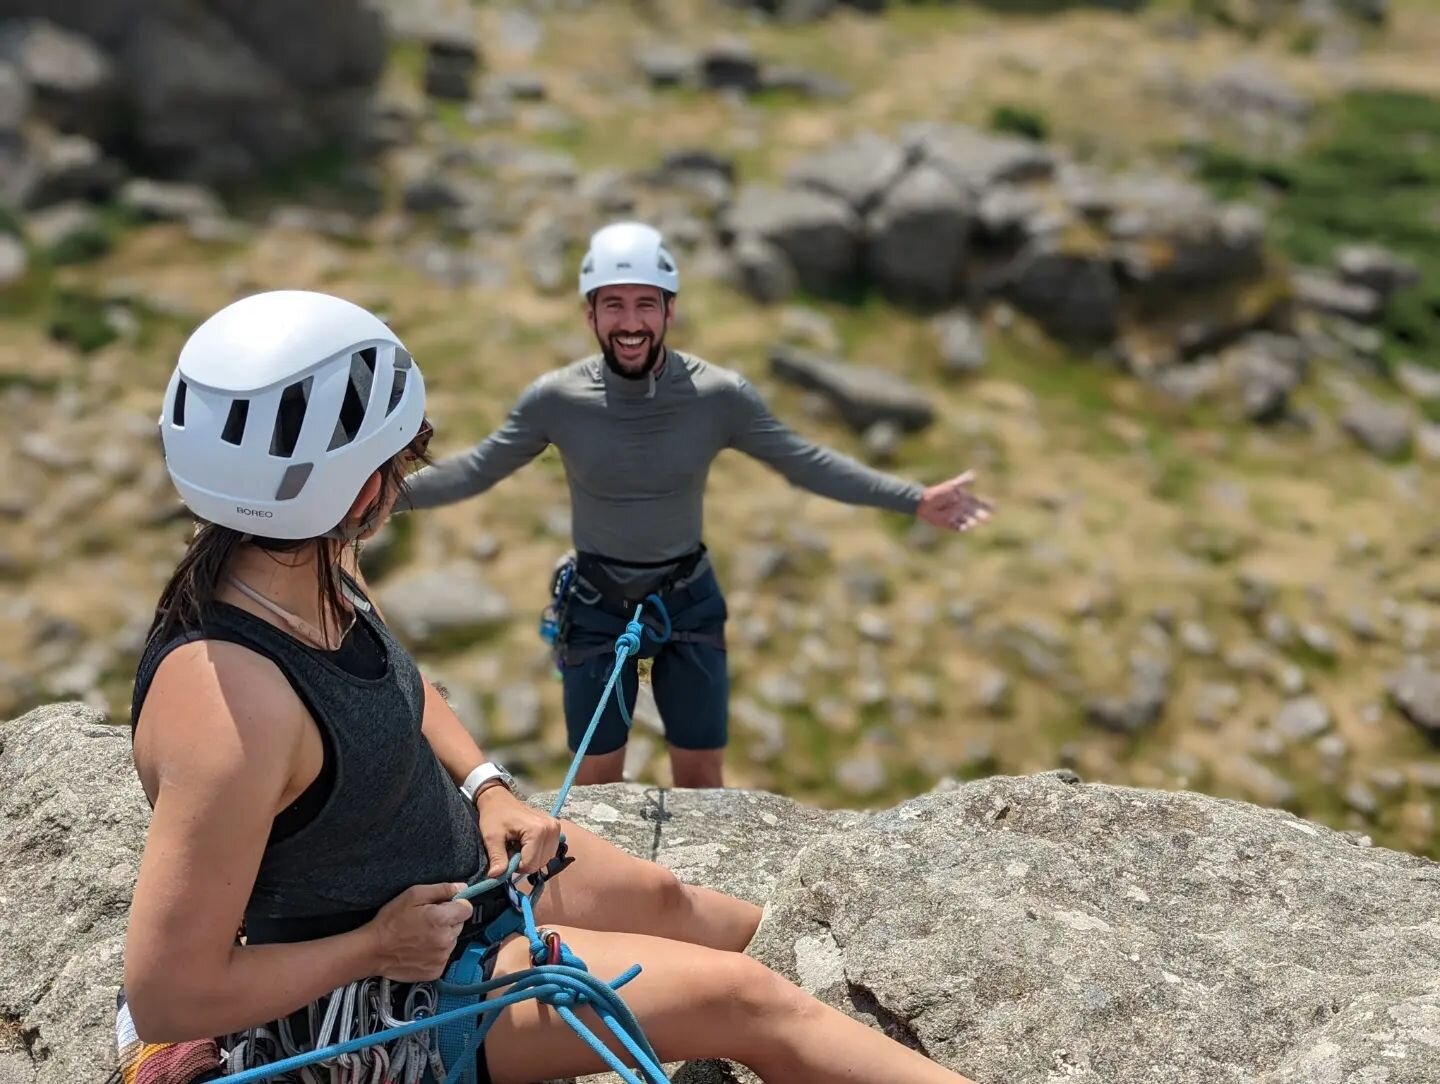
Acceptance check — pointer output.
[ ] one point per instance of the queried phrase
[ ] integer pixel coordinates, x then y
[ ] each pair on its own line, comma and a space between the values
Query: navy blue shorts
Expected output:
689, 677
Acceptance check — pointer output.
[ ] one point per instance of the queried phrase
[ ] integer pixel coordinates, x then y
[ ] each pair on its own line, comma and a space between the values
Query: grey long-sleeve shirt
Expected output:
637, 454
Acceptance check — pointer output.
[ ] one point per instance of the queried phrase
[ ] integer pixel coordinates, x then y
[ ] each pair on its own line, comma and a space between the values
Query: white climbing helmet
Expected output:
628, 254
281, 407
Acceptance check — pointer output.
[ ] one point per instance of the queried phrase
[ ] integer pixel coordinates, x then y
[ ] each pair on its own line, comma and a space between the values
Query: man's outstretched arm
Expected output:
828, 473
519, 439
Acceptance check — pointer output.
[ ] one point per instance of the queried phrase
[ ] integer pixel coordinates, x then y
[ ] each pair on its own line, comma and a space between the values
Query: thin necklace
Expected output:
297, 624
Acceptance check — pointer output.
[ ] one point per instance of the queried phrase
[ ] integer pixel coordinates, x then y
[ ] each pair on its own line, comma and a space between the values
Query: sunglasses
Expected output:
415, 451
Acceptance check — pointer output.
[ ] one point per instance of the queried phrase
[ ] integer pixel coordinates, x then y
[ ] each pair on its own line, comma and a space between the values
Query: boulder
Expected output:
819, 235
1040, 928
919, 238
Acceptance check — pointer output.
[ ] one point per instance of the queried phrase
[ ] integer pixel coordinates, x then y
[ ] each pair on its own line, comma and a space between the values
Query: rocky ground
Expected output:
1090, 252
1020, 930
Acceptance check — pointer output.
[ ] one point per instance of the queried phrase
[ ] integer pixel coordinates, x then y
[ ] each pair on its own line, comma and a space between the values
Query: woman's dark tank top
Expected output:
382, 816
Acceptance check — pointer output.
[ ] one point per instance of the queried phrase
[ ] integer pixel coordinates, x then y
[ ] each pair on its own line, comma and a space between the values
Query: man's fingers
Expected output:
964, 479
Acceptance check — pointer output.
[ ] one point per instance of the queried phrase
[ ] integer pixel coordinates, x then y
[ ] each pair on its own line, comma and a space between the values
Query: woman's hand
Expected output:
505, 818
416, 931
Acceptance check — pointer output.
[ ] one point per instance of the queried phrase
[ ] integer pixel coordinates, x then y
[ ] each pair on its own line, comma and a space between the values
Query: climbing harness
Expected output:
552, 620
443, 1027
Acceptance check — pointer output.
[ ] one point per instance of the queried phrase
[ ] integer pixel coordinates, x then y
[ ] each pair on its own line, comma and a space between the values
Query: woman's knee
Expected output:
766, 1002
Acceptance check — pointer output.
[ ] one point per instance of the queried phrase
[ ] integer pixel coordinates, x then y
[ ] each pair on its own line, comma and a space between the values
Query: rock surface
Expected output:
1039, 930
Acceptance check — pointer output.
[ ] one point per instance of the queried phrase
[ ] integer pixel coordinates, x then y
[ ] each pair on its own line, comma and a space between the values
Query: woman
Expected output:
306, 779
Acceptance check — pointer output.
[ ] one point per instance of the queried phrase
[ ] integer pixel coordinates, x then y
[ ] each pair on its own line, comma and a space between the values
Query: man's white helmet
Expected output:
628, 254
281, 407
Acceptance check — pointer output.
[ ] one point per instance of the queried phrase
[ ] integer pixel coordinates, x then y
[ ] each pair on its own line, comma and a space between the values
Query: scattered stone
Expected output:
163, 201
1361, 799
764, 729
1198, 640
1302, 719
1215, 704
1376, 268
1318, 639
730, 64
962, 347
1322, 293
862, 396
995, 693
444, 605
1415, 690
861, 774
1258, 783
1421, 381
72, 83
14, 260
882, 442
518, 715
15, 99
1390, 781
451, 59
1277, 629
1379, 427
668, 65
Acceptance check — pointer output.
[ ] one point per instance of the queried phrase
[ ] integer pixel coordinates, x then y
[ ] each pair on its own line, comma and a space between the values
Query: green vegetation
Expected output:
80, 320
1018, 120
1372, 175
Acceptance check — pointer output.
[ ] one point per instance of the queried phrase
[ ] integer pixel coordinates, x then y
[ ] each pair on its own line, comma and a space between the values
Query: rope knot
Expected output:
629, 640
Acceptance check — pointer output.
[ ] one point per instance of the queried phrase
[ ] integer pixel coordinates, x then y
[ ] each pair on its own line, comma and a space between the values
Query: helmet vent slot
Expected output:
234, 431
290, 417
357, 395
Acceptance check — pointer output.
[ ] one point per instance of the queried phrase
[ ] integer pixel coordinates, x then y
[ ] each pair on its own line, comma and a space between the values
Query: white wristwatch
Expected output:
486, 773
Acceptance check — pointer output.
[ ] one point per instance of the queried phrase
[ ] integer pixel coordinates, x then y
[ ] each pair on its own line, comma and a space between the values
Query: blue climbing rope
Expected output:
559, 978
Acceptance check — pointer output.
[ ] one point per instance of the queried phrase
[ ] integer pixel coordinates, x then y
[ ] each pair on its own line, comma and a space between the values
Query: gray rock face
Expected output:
68, 858
1074, 297
71, 81
1104, 908
1046, 929
818, 234
221, 91
864, 397
859, 170
919, 236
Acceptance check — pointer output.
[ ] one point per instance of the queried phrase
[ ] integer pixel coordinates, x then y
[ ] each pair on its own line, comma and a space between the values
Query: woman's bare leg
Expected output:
696, 1002
607, 889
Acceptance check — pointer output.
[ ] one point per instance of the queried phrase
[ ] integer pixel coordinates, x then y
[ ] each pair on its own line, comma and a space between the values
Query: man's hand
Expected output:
951, 505
505, 818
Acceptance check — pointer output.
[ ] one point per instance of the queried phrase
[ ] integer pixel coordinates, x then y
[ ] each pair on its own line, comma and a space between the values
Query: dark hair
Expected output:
195, 581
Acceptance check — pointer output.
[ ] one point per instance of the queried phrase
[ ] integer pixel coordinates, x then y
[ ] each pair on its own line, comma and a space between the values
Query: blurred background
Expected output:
1166, 274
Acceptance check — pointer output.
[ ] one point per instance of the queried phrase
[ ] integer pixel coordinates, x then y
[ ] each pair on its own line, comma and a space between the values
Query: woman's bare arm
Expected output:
215, 751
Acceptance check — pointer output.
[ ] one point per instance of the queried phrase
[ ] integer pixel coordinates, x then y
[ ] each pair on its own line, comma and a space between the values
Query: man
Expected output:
638, 427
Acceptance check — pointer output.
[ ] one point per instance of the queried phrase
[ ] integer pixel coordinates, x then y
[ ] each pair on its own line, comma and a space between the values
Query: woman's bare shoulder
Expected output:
217, 708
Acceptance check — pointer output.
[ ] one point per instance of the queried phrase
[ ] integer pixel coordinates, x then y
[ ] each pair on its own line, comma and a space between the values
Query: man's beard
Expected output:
657, 354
